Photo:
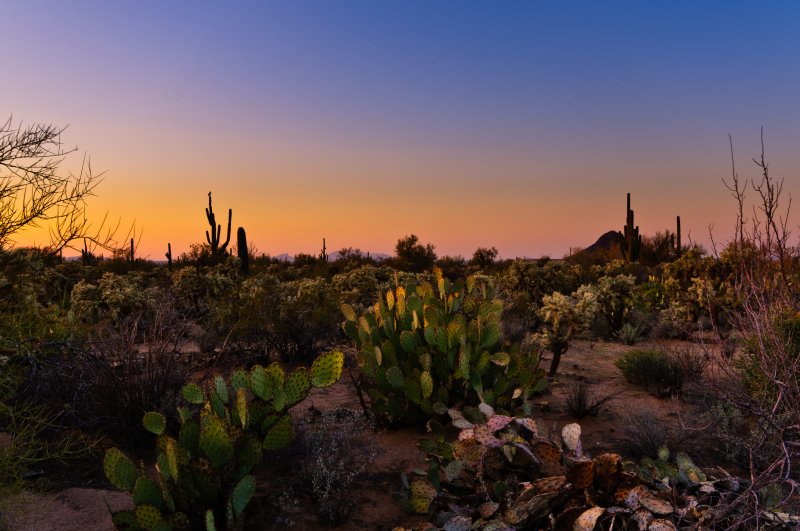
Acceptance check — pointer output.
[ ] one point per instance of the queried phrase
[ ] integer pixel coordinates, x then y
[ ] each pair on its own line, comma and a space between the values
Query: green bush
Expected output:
293, 319
652, 369
523, 284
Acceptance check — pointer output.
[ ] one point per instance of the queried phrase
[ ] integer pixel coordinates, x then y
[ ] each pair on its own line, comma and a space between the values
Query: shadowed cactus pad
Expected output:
215, 443
239, 379
422, 494
119, 470
149, 517
242, 494
193, 394
260, 385
221, 388
154, 422
279, 435
146, 491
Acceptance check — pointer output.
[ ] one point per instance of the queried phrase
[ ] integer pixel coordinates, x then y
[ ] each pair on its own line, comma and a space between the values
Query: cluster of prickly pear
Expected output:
505, 472
204, 472
682, 470
422, 349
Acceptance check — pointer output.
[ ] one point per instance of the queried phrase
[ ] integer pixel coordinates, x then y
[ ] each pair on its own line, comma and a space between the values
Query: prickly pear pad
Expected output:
146, 491
154, 422
242, 494
215, 443
327, 369
279, 435
297, 385
193, 394
119, 470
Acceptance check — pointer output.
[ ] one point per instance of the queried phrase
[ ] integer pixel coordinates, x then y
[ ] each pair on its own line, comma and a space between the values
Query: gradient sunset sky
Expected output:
515, 124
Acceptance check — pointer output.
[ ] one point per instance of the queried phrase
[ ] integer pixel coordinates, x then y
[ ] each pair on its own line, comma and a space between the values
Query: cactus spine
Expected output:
213, 238
241, 249
630, 240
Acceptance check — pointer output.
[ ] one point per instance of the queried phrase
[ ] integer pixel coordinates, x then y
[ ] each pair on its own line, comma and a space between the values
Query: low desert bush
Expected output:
646, 433
653, 369
629, 334
335, 456
692, 363
582, 401
125, 370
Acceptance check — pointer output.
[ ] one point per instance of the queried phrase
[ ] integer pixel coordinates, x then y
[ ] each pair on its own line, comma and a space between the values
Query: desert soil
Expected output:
283, 500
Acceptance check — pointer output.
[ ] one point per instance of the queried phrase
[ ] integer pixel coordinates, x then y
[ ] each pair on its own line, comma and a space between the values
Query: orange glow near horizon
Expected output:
519, 126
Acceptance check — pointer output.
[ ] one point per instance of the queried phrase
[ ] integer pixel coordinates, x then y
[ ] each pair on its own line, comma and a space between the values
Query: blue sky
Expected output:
515, 124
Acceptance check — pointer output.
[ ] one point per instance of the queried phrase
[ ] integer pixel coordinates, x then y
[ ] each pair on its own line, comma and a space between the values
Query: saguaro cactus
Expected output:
323, 256
213, 238
241, 249
630, 240
168, 254
678, 247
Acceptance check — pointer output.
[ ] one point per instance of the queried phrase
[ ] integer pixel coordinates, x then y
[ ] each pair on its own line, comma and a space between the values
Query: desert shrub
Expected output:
414, 256
114, 299
294, 319
334, 456
629, 334
652, 369
523, 284
32, 434
125, 370
422, 349
308, 319
671, 323
582, 401
202, 290
33, 437
453, 267
357, 287
691, 362
646, 433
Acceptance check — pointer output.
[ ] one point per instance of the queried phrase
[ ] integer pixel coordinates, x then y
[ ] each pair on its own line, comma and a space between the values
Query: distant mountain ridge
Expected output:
606, 246
606, 242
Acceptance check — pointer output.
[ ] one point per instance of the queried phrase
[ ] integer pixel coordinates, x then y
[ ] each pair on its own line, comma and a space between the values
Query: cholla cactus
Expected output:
563, 316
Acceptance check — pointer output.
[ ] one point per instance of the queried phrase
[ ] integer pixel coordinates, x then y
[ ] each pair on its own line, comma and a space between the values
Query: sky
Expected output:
519, 125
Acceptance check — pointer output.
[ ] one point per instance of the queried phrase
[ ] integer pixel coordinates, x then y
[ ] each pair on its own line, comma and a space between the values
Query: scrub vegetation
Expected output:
184, 382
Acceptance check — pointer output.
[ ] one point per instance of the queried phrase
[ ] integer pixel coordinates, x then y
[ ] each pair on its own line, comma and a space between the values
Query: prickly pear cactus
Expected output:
204, 475
423, 348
